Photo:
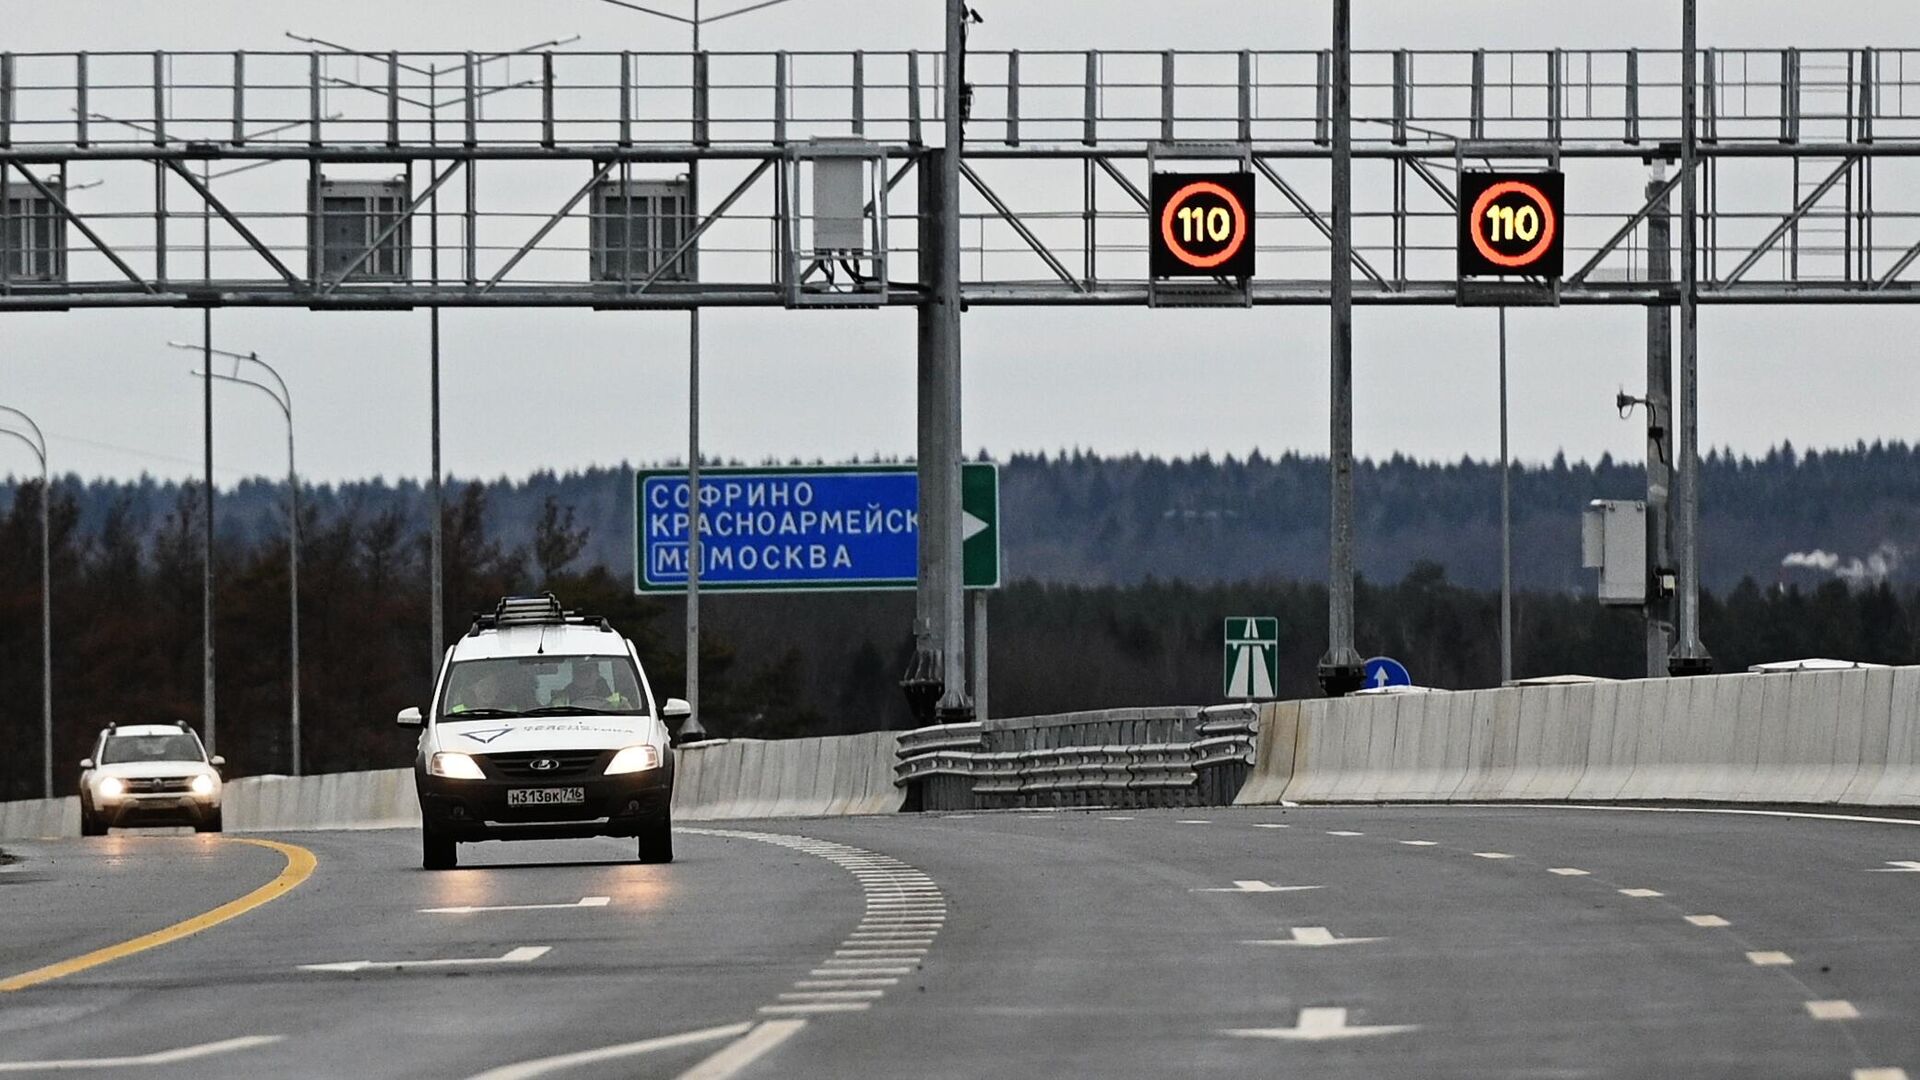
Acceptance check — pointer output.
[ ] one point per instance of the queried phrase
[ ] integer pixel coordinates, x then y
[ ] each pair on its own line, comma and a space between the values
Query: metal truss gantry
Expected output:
1796, 176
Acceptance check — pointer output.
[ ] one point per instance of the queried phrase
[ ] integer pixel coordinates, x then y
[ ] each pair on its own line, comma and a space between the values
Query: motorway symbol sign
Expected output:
778, 529
1386, 671
1201, 225
1252, 659
1511, 224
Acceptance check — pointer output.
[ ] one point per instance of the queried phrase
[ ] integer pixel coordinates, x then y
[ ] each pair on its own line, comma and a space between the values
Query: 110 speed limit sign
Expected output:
1511, 224
1201, 225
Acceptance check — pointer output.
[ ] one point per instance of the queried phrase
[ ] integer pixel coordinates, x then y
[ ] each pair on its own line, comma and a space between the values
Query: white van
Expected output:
543, 726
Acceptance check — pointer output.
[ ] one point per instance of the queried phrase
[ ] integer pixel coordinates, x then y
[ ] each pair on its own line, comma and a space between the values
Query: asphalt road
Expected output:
1496, 942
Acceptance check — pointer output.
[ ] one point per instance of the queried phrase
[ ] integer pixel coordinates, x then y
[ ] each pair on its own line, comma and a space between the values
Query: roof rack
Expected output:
541, 610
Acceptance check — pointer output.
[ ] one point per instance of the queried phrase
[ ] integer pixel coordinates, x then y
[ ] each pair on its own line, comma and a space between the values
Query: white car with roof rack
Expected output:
149, 774
543, 726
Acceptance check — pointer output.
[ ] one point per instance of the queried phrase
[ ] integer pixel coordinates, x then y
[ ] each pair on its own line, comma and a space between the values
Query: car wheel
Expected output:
212, 824
437, 852
91, 825
656, 840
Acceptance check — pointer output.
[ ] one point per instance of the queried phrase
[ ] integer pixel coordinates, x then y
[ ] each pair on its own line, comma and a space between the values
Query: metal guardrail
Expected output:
1124, 757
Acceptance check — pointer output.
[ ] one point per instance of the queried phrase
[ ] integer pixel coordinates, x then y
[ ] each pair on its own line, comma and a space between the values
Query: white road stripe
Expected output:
842, 984
832, 995
1769, 959
1708, 920
1116, 818
1491, 855
738, 1055
1832, 1010
1344, 832
858, 971
583, 902
162, 1057
526, 1070
1421, 843
523, 954
1194, 821
1879, 1074
1640, 894
817, 1007
1270, 825
881, 953
1568, 871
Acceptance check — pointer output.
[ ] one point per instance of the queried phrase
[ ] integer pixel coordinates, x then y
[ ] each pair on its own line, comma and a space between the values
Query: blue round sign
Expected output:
1386, 671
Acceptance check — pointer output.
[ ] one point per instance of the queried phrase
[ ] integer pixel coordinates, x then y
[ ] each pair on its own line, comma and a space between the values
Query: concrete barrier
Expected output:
31, 819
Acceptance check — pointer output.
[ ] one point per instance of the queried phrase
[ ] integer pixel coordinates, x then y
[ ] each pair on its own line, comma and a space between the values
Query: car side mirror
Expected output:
86, 763
217, 761
676, 709
409, 717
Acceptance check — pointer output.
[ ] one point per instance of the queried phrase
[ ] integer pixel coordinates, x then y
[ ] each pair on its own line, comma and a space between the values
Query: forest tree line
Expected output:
127, 631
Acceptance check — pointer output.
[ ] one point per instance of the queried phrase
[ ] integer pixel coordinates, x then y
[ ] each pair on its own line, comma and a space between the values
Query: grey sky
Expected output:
612, 385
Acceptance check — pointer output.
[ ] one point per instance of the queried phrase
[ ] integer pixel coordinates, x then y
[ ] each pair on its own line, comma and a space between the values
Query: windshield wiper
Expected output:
480, 714
564, 710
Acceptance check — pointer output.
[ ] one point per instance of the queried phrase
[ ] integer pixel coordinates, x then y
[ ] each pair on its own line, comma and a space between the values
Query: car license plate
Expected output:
551, 796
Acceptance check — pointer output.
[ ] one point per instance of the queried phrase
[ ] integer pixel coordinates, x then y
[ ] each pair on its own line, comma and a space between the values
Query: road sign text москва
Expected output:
772, 529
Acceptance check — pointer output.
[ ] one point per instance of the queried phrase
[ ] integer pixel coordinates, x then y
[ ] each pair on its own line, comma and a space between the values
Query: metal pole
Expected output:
293, 588
1506, 521
1340, 669
38, 444
437, 571
954, 704
693, 729
1659, 608
978, 598
1689, 656
206, 568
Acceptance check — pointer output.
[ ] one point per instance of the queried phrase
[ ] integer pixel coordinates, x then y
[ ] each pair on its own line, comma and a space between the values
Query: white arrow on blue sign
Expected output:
1386, 671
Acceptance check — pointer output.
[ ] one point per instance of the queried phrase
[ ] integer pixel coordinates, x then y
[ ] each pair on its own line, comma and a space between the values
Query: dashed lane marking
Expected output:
1708, 920
1314, 937
1640, 894
1117, 817
526, 1070
737, 1055
1832, 1010
1491, 855
1421, 843
1879, 1074
163, 1057
831, 995
1344, 832
816, 1007
858, 971
299, 867
842, 984
1270, 825
1321, 1024
1897, 867
1194, 821
1568, 871
583, 902
1259, 887
1769, 959
525, 954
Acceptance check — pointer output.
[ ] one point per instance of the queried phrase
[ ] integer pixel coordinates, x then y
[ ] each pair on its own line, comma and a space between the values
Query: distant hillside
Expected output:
1088, 520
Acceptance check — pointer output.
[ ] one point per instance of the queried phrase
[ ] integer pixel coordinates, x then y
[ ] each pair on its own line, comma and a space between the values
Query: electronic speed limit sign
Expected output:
1201, 225
1511, 224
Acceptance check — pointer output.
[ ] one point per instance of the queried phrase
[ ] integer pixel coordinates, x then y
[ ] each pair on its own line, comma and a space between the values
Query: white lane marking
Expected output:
858, 971
585, 901
161, 1057
1879, 1074
1897, 867
817, 1007
832, 995
842, 984
1344, 832
1314, 937
1708, 920
1640, 894
526, 1070
1270, 825
1696, 810
1832, 1010
882, 953
1320, 1024
1117, 817
1194, 821
1491, 855
1259, 886
1568, 871
1769, 959
735, 1056
523, 954
1421, 843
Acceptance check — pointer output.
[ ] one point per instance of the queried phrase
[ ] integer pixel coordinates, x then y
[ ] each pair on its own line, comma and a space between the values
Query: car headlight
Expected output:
634, 759
203, 784
455, 766
112, 787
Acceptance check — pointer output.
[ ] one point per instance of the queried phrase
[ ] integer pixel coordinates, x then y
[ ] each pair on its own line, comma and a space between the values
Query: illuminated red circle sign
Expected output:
1510, 224
1201, 225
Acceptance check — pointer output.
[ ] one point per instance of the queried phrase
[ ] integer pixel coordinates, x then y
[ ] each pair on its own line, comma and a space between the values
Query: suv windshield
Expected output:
542, 685
122, 749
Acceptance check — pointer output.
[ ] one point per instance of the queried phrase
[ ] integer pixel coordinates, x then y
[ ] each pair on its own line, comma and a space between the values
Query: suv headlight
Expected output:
634, 759
455, 766
112, 787
203, 784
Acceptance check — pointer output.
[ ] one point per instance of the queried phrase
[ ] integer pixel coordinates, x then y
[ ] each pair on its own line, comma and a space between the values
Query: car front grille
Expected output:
160, 785
567, 765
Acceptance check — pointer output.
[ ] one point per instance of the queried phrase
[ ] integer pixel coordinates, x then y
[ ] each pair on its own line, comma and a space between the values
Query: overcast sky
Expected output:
529, 390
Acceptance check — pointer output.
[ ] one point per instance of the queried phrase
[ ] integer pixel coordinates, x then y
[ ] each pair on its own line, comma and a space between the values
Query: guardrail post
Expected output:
1013, 98
1166, 96
702, 135
1556, 93
6, 99
914, 136
393, 99
159, 99
81, 113
1865, 98
239, 98
1790, 96
469, 78
780, 98
1402, 70
546, 100
1322, 100
1477, 104
313, 99
1246, 95
859, 93
1090, 129
1633, 95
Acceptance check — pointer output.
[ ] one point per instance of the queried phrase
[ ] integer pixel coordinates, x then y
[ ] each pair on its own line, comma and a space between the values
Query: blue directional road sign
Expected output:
779, 529
1386, 671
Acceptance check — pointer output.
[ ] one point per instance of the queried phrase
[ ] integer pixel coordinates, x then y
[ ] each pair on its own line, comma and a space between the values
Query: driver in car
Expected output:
586, 686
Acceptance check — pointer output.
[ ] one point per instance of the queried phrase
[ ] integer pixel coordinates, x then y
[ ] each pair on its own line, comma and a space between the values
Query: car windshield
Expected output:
122, 749
542, 685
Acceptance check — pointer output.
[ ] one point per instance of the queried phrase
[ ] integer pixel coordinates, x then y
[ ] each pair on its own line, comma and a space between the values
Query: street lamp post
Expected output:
283, 398
693, 729
38, 444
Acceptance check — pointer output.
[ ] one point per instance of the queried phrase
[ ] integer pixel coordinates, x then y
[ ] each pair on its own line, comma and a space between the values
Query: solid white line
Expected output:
1640, 894
1832, 1010
736, 1056
817, 1007
1769, 959
1568, 871
1491, 855
162, 1057
585, 901
1708, 920
1699, 810
525, 1070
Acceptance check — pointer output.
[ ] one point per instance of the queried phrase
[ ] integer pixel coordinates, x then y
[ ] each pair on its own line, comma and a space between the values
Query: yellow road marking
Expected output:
300, 863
